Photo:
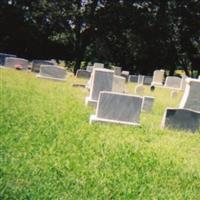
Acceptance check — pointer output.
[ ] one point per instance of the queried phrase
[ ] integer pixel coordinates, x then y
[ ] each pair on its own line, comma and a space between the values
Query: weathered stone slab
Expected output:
54, 73
98, 65
83, 74
3, 56
18, 63
89, 68
147, 103
37, 63
158, 78
125, 74
133, 78
181, 119
118, 108
191, 97
173, 82
118, 84
101, 80
147, 80
117, 71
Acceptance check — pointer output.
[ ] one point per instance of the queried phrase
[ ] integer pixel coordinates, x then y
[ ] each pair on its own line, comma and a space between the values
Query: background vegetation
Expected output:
139, 36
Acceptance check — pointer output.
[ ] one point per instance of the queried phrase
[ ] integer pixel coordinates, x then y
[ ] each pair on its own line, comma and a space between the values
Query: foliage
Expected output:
139, 36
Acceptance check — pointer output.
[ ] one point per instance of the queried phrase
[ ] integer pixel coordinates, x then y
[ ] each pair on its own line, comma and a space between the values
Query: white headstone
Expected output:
101, 80
16, 63
3, 57
98, 65
158, 77
54, 73
118, 84
140, 79
118, 108
191, 97
89, 68
173, 82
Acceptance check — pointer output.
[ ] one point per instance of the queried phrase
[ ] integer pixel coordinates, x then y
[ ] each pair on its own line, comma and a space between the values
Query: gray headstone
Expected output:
3, 56
118, 108
56, 73
147, 103
181, 119
191, 97
147, 80
173, 82
125, 74
98, 65
16, 62
118, 84
133, 78
117, 71
37, 63
101, 80
89, 68
83, 74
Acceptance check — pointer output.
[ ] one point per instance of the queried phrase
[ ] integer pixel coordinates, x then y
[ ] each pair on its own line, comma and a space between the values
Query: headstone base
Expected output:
90, 102
94, 118
50, 78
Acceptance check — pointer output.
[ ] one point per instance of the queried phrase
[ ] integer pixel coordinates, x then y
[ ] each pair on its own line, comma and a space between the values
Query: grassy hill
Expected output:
49, 150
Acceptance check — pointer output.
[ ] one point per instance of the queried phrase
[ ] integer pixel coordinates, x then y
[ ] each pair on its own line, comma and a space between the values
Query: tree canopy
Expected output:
140, 36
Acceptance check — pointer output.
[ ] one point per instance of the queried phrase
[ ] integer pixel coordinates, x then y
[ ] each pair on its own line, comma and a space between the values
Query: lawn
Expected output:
49, 150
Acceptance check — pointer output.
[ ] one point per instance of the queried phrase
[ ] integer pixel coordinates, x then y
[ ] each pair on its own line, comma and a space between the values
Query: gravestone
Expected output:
181, 119
118, 84
18, 63
147, 80
117, 71
98, 65
118, 108
54, 73
199, 77
3, 56
173, 82
147, 103
183, 82
140, 80
133, 78
101, 80
187, 117
89, 68
37, 63
125, 74
191, 97
158, 77
83, 74
139, 90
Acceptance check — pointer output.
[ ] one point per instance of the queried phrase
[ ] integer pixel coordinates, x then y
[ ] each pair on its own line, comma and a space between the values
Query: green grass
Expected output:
49, 150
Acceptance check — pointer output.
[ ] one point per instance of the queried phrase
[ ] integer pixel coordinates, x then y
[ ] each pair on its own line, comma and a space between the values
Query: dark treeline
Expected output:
139, 36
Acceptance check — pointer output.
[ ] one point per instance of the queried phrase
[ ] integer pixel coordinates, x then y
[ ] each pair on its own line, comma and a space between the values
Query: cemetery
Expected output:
86, 117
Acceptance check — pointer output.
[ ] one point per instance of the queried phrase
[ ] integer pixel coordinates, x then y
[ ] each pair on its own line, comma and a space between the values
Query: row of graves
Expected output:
114, 105
47, 69
107, 92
